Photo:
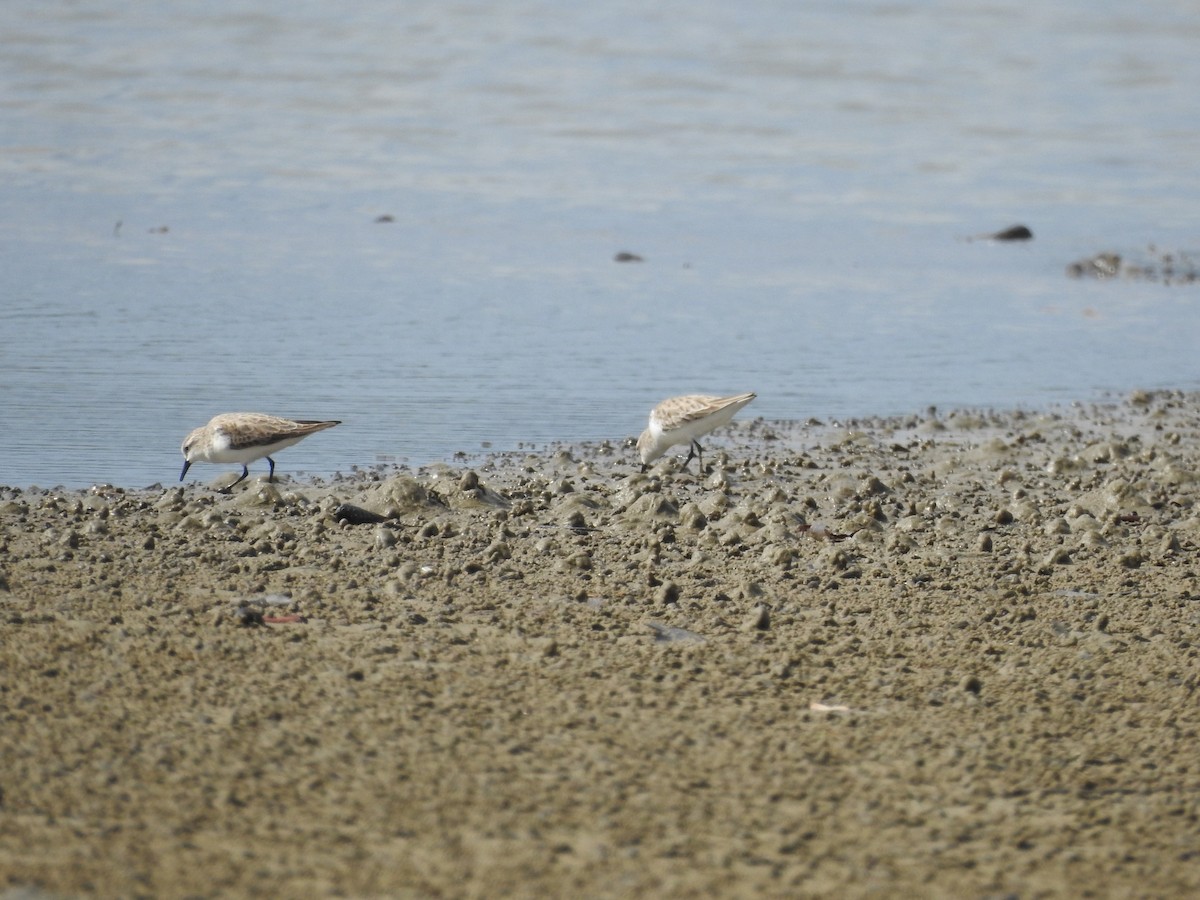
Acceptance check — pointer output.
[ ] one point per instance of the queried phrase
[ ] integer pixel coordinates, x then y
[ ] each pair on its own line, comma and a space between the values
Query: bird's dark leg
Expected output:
229, 487
691, 453
271, 474
699, 451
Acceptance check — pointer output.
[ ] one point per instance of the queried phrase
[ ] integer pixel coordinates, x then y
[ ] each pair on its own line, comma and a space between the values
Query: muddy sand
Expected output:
944, 655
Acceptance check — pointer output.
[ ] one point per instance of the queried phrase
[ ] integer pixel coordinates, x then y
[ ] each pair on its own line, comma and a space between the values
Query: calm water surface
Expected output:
190, 195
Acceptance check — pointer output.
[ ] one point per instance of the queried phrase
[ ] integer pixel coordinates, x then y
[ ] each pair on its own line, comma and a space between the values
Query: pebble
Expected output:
759, 619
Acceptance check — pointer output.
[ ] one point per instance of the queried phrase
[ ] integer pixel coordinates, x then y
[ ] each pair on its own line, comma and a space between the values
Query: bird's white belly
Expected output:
222, 452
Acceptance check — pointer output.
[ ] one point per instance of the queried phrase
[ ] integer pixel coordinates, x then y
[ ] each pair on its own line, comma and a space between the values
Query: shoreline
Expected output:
919, 654
206, 475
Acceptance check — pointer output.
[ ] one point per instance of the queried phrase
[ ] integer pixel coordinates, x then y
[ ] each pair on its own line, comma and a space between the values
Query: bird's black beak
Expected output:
186, 463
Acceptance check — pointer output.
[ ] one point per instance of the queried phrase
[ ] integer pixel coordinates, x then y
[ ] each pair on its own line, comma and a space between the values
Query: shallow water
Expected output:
191, 193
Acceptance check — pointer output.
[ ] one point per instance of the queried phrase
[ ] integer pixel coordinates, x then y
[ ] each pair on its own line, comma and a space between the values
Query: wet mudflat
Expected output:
936, 655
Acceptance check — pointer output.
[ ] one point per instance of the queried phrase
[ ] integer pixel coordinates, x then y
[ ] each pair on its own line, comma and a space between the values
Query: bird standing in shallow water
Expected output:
680, 420
245, 437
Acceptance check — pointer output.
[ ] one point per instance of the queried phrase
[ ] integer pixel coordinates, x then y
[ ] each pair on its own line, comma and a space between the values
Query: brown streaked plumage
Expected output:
679, 420
245, 437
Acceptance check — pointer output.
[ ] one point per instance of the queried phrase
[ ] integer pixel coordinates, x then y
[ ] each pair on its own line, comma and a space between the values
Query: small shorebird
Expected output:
683, 420
245, 437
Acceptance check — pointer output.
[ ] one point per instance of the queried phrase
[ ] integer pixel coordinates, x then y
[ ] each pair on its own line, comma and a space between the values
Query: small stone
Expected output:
247, 616
759, 619
1058, 557
668, 594
778, 555
356, 515
583, 561
873, 486
1132, 560
693, 519
751, 590
498, 551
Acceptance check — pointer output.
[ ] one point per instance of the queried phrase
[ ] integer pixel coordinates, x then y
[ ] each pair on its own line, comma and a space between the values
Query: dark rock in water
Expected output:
1014, 233
625, 256
356, 515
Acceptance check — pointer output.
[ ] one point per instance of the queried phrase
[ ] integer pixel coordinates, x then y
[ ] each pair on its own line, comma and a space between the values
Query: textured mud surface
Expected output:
937, 656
